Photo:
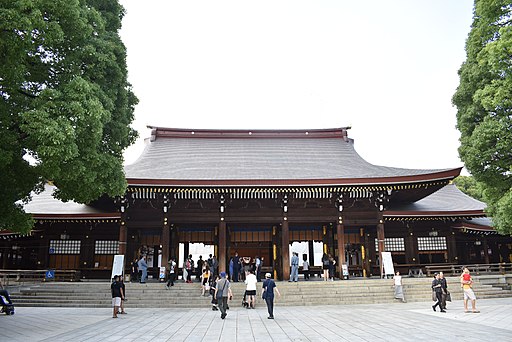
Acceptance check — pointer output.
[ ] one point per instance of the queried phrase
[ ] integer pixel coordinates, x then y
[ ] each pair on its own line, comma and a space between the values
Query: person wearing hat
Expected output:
222, 293
268, 294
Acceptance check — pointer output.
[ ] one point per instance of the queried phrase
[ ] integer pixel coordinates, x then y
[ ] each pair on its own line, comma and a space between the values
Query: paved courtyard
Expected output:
378, 322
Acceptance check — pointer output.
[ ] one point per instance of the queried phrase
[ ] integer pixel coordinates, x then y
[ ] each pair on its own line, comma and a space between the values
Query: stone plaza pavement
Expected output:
377, 322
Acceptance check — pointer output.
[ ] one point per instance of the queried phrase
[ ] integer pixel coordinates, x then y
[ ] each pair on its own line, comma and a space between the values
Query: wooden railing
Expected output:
11, 277
475, 269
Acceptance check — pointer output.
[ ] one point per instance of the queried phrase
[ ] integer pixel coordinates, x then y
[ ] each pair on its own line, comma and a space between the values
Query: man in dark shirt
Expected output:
436, 287
444, 288
117, 295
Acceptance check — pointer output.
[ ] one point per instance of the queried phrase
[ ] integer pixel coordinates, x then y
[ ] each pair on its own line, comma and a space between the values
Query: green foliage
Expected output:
470, 187
484, 104
65, 102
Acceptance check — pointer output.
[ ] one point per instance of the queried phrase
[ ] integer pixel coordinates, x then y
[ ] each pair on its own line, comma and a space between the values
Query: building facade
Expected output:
256, 192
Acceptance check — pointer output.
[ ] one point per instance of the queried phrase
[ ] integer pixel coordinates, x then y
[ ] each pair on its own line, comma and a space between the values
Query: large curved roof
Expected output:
447, 201
263, 157
44, 205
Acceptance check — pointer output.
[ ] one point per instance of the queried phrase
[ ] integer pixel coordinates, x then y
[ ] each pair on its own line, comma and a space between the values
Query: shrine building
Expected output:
256, 192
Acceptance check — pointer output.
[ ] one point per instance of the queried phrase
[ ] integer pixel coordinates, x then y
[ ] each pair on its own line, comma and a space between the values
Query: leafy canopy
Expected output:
484, 103
65, 103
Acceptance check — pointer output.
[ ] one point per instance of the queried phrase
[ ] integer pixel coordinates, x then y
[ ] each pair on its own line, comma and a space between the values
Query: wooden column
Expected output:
123, 237
452, 247
285, 249
222, 246
380, 242
311, 253
411, 254
340, 233
485, 246
166, 232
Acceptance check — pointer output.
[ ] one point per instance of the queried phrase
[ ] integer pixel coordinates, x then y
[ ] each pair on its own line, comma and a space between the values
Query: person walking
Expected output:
172, 272
269, 285
398, 286
466, 282
294, 276
222, 293
117, 295
436, 287
444, 288
143, 266
250, 291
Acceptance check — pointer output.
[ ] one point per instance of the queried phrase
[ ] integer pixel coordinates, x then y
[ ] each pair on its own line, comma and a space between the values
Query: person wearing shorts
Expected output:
467, 283
251, 281
117, 295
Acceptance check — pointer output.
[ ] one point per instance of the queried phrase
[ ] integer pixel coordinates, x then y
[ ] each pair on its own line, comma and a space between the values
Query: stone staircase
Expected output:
314, 292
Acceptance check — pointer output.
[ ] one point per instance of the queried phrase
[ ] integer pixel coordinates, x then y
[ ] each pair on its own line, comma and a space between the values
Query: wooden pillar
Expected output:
123, 237
452, 247
311, 253
411, 254
485, 246
380, 242
285, 249
166, 232
222, 246
340, 233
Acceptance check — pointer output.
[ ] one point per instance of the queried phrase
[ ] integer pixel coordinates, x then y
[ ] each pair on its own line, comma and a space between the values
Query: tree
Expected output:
65, 103
484, 107
470, 187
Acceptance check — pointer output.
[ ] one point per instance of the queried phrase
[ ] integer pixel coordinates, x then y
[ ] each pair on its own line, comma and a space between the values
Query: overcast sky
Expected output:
388, 69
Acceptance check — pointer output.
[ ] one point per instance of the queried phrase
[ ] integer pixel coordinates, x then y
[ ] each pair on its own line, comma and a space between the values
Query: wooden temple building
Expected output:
256, 192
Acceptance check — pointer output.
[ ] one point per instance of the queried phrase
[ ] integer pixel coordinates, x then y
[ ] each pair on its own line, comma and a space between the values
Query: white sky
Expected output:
386, 68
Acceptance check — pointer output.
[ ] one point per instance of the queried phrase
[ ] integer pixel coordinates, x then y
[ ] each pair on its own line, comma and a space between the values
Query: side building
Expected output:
258, 192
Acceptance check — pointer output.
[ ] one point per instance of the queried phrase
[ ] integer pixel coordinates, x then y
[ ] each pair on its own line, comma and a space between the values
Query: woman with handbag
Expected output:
268, 294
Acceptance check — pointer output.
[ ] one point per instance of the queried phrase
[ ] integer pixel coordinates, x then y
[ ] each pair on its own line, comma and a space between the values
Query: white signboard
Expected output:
117, 265
387, 261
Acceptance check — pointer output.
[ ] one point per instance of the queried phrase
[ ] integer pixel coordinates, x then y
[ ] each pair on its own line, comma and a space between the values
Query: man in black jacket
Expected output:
444, 288
437, 288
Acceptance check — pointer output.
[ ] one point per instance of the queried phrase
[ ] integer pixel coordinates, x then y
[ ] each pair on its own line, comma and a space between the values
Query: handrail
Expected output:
476, 269
21, 276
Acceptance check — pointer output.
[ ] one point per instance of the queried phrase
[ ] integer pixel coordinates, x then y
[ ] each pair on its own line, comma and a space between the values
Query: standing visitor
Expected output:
205, 285
213, 287
398, 286
294, 276
117, 294
250, 291
172, 272
123, 299
436, 287
268, 294
305, 267
215, 267
325, 266
222, 293
236, 267
135, 270
199, 268
143, 266
466, 283
332, 269
189, 264
257, 266
444, 288
231, 269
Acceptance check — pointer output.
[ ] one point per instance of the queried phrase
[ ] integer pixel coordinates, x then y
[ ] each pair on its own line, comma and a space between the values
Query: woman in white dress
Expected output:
399, 290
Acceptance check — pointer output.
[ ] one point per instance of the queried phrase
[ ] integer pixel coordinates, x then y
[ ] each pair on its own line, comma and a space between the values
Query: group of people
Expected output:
441, 293
239, 266
139, 269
